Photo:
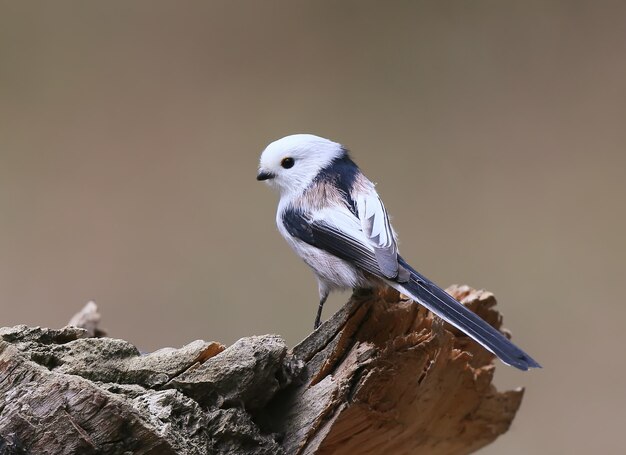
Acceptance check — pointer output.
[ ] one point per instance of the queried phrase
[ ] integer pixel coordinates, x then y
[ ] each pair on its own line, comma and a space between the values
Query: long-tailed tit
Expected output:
333, 218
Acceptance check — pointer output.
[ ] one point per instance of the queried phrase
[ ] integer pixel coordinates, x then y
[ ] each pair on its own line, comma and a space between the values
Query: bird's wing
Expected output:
377, 229
339, 232
336, 231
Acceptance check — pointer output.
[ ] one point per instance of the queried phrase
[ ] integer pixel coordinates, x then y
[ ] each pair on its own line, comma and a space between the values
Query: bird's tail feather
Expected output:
428, 294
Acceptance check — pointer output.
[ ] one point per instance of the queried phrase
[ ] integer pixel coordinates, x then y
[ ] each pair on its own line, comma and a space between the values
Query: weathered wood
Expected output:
381, 376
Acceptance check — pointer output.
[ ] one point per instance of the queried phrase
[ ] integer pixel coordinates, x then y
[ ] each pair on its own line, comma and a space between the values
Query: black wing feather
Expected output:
330, 239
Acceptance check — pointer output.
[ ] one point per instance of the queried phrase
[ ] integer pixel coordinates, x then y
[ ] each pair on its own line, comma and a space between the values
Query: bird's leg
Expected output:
323, 297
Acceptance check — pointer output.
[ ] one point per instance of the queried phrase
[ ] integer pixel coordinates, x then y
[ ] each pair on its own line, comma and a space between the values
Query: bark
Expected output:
381, 376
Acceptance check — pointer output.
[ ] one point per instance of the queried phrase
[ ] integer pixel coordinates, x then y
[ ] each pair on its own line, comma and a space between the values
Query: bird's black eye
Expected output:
287, 163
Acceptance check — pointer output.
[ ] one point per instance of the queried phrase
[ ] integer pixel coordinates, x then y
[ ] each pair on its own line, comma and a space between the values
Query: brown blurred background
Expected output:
130, 134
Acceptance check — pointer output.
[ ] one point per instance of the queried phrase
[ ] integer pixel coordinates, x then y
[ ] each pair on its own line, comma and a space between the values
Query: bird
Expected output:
331, 215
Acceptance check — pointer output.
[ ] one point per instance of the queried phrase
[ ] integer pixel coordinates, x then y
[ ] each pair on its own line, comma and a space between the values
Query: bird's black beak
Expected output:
264, 175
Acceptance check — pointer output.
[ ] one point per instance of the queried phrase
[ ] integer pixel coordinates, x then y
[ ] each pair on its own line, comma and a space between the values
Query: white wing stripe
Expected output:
378, 232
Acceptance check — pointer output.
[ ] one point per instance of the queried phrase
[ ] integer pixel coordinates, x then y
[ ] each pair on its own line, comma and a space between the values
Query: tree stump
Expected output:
382, 376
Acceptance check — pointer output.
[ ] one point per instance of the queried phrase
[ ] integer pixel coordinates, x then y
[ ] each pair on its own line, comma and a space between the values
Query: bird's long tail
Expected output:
428, 294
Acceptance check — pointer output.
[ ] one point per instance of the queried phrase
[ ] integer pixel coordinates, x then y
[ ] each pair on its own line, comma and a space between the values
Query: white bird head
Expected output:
290, 164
